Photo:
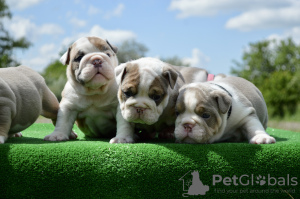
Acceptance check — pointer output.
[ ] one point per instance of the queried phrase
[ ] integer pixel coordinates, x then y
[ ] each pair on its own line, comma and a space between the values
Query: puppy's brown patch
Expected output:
99, 43
206, 104
171, 75
158, 89
212, 120
180, 106
131, 81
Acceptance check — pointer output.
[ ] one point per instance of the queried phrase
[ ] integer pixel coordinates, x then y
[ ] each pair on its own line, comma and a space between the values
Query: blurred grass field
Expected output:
288, 122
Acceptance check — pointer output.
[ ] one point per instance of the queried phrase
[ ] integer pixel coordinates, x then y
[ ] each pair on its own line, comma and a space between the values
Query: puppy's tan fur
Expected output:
230, 108
24, 96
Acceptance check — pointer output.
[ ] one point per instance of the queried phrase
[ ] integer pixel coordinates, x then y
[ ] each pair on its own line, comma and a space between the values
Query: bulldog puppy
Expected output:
89, 96
24, 96
147, 93
228, 109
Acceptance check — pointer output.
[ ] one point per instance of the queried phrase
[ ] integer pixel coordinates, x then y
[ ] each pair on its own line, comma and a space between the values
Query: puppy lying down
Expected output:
228, 109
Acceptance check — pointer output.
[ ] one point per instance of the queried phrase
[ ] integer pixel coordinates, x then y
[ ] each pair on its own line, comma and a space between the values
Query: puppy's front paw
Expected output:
73, 135
262, 139
17, 135
122, 139
56, 137
3, 139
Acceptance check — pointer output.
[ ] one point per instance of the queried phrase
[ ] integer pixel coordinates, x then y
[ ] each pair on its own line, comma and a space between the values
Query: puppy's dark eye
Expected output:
155, 97
177, 113
78, 59
108, 54
128, 94
205, 115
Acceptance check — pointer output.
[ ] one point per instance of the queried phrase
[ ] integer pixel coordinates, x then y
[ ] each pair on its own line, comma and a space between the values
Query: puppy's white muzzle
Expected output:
96, 69
189, 130
140, 111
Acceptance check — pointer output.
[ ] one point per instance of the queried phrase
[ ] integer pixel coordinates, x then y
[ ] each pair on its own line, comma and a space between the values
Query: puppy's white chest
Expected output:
95, 112
96, 121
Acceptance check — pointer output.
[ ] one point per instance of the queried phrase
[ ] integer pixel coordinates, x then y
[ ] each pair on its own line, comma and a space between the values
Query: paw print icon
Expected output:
261, 180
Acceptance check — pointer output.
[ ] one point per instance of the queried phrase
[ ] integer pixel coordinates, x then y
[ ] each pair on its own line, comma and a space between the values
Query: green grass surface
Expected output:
93, 168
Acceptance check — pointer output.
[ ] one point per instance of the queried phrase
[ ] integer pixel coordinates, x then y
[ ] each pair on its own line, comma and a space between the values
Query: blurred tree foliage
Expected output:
55, 77
7, 43
175, 60
131, 50
274, 67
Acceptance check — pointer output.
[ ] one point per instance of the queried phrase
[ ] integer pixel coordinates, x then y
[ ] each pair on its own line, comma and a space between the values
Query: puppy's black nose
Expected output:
97, 63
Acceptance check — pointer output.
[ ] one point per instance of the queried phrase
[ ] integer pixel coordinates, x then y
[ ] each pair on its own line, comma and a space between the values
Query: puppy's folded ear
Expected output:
114, 48
120, 72
65, 59
171, 75
223, 100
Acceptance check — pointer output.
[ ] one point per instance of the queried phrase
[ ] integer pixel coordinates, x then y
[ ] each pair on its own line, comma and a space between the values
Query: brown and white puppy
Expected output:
89, 96
24, 96
230, 108
148, 89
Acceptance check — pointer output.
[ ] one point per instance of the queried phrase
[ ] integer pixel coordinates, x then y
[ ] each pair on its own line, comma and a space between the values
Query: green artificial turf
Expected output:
93, 168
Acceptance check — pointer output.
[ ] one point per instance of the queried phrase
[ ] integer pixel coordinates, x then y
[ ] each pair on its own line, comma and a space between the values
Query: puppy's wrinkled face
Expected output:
199, 112
144, 89
91, 62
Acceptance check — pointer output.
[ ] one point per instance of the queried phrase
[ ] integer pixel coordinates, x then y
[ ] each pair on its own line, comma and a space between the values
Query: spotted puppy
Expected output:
147, 93
24, 96
89, 96
230, 108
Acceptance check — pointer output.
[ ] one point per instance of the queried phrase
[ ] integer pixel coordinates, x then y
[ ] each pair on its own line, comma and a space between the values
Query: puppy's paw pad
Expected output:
56, 137
262, 139
127, 139
73, 135
18, 134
